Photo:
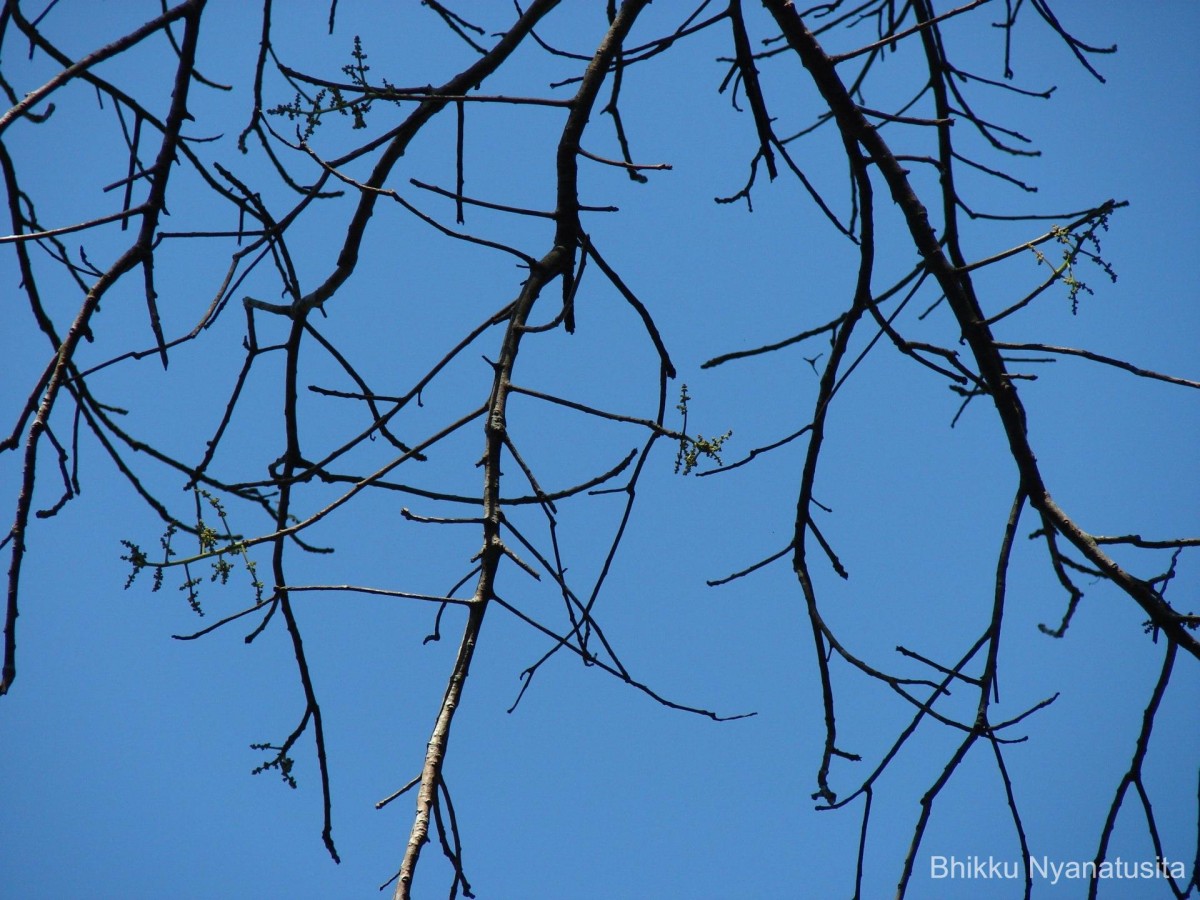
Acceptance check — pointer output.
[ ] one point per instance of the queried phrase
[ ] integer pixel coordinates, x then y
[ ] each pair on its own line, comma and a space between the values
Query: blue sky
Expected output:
127, 760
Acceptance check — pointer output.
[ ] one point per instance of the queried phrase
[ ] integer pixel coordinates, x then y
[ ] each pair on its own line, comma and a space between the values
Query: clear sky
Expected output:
126, 760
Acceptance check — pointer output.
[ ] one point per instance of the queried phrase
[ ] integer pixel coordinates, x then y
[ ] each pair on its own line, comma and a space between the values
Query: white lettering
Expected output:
1054, 871
1056, 868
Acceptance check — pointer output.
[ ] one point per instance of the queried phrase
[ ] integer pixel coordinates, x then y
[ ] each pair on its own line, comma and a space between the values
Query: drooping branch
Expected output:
558, 262
959, 291
139, 252
322, 475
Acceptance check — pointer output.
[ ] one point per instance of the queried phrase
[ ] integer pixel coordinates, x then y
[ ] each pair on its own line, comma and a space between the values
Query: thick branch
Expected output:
960, 294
